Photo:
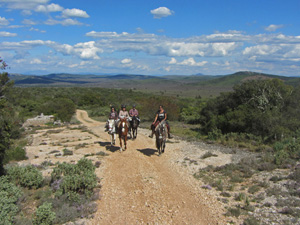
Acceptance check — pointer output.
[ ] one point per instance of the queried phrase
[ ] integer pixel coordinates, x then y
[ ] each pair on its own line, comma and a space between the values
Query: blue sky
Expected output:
150, 36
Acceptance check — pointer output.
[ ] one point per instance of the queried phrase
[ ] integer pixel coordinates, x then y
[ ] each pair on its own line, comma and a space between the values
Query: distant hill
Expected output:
194, 85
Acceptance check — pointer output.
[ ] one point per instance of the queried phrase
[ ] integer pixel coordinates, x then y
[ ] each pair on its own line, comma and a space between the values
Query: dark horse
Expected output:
133, 127
122, 131
161, 136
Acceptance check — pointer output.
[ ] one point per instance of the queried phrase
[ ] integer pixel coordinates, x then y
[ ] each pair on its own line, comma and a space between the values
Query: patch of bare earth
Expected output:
138, 186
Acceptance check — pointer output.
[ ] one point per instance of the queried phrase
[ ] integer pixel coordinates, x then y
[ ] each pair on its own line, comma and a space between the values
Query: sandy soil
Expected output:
138, 186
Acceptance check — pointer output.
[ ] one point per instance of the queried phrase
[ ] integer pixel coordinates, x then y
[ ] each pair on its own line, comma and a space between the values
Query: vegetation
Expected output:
260, 115
8, 120
9, 195
64, 198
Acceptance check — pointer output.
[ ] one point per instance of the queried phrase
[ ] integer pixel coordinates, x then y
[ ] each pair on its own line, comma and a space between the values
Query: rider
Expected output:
134, 112
161, 115
112, 115
123, 114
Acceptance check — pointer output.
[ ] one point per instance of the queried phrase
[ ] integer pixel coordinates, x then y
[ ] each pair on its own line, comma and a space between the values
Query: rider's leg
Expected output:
106, 126
153, 126
168, 128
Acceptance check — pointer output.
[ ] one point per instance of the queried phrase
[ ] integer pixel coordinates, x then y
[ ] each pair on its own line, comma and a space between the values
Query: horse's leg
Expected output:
125, 141
158, 146
120, 144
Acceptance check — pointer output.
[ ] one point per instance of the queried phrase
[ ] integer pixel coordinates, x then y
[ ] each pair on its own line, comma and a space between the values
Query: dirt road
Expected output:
140, 187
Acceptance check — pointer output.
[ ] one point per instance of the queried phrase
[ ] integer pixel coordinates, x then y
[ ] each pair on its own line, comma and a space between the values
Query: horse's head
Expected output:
134, 122
161, 130
123, 125
111, 125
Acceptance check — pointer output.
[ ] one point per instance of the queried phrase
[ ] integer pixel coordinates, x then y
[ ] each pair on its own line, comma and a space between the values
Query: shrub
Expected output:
67, 152
215, 134
253, 189
28, 176
18, 153
44, 215
9, 195
208, 154
251, 221
236, 212
74, 180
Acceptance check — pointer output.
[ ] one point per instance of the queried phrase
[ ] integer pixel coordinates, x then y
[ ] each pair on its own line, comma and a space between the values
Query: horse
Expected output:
133, 127
161, 137
112, 130
122, 131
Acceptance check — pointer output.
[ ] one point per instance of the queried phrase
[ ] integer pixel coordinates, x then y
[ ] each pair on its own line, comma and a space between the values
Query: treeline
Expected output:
62, 102
265, 108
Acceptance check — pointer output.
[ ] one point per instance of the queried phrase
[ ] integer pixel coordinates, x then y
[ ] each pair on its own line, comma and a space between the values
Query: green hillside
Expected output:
172, 85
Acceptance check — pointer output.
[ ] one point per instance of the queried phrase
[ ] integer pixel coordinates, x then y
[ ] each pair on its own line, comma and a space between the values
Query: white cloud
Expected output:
66, 22
188, 62
49, 8
29, 22
37, 30
3, 21
23, 4
85, 50
36, 61
273, 27
161, 12
126, 61
74, 13
192, 62
228, 52
261, 50
7, 34
173, 61
26, 12
104, 34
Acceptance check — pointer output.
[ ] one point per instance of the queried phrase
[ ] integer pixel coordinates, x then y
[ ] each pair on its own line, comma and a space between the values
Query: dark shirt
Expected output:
161, 116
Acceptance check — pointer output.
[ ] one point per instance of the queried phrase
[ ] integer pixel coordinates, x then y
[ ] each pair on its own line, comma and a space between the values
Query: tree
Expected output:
6, 112
254, 107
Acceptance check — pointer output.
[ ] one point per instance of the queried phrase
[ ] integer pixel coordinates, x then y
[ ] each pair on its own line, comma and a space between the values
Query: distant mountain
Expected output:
242, 76
176, 85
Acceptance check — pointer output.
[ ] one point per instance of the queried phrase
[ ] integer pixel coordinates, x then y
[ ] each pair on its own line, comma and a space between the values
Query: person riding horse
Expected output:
123, 114
112, 115
161, 115
134, 112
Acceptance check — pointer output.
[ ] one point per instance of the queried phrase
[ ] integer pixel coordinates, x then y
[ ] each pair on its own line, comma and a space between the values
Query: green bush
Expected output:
28, 176
9, 195
74, 180
67, 152
44, 215
15, 154
214, 134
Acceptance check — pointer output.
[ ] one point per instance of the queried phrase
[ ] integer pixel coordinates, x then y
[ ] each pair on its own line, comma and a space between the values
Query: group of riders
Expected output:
161, 115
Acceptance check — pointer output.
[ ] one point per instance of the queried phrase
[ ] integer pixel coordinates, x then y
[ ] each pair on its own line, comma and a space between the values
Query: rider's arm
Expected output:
165, 117
155, 118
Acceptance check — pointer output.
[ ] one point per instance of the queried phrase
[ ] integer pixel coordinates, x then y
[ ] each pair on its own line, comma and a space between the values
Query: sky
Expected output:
150, 37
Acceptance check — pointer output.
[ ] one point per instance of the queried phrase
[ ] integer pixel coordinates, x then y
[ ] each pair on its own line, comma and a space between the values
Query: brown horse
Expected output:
122, 131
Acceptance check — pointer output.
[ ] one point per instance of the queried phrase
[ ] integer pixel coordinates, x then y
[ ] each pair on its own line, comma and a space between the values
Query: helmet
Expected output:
123, 106
133, 105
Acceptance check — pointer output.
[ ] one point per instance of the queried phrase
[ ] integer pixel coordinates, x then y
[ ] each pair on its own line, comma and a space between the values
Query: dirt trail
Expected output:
139, 187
